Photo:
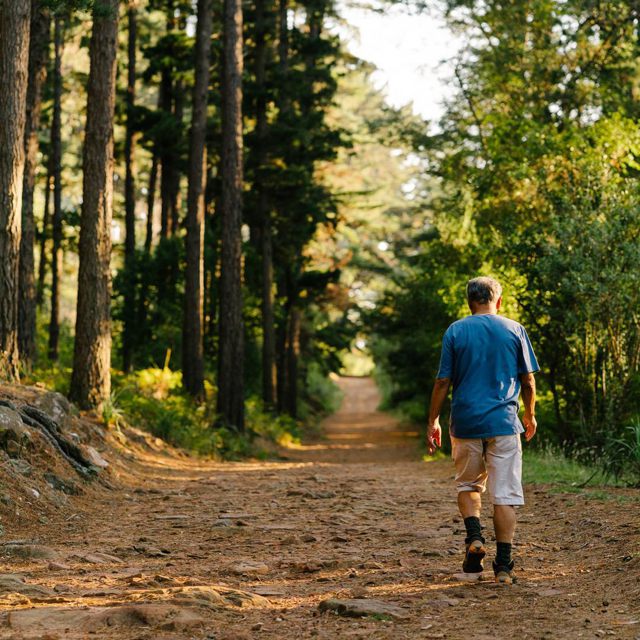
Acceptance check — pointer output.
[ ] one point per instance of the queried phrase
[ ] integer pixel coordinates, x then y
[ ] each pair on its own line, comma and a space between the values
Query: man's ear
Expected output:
499, 303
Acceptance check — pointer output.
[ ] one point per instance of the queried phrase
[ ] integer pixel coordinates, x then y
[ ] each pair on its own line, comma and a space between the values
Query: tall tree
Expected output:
129, 313
38, 55
192, 346
151, 202
171, 102
285, 277
14, 62
91, 379
44, 236
56, 168
263, 213
231, 348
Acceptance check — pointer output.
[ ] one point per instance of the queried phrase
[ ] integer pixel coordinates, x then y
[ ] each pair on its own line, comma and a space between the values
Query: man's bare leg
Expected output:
469, 503
504, 521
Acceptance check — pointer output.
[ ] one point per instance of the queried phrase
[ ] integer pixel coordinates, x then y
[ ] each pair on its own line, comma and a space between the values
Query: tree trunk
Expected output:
166, 160
263, 214
231, 348
284, 284
167, 177
151, 203
175, 200
268, 326
293, 352
129, 315
44, 236
192, 347
38, 55
281, 361
14, 63
56, 165
91, 379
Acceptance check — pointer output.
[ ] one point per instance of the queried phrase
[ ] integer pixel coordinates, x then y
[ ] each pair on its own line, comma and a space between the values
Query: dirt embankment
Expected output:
159, 545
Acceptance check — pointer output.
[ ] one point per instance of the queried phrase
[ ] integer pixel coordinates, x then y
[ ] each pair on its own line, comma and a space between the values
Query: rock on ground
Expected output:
361, 607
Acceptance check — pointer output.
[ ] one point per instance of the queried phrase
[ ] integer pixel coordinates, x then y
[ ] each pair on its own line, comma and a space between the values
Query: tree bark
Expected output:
14, 62
151, 203
56, 166
38, 56
284, 284
166, 160
231, 349
263, 213
293, 353
129, 315
175, 199
169, 169
192, 346
91, 379
44, 236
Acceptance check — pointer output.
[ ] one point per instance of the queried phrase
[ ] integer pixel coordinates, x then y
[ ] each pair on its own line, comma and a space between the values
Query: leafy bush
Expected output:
621, 455
321, 395
153, 400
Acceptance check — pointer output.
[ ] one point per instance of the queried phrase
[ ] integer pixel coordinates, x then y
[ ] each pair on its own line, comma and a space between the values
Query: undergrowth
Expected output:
153, 400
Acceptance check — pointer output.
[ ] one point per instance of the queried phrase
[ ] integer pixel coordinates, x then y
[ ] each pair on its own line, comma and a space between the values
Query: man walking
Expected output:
488, 360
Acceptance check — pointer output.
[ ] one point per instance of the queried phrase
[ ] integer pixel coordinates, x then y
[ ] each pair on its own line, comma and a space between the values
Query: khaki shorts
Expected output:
496, 462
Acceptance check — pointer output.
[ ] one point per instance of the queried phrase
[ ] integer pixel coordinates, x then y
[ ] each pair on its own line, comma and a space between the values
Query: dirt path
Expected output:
355, 515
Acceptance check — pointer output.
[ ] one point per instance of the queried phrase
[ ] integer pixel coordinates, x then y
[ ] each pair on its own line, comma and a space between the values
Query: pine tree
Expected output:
56, 167
129, 311
192, 345
14, 62
230, 404
91, 378
38, 56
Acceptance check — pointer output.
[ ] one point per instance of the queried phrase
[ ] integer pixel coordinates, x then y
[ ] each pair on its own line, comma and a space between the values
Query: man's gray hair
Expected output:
483, 290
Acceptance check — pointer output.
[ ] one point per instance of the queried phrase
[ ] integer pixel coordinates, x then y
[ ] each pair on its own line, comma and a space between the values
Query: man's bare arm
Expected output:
528, 382
438, 396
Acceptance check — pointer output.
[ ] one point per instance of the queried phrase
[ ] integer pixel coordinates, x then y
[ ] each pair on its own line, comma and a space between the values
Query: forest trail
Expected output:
353, 514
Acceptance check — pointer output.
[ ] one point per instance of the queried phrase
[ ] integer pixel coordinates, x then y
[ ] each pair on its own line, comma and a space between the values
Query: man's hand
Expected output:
529, 396
438, 395
530, 426
434, 436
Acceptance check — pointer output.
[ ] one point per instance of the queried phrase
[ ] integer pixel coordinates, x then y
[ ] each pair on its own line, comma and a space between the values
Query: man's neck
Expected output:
484, 310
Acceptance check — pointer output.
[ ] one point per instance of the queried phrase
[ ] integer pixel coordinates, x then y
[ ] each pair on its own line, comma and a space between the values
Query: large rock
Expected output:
65, 486
28, 551
95, 458
32, 623
362, 607
14, 436
249, 568
217, 597
55, 405
12, 583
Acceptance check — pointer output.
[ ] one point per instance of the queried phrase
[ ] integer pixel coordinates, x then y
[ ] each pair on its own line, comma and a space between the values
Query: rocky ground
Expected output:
162, 546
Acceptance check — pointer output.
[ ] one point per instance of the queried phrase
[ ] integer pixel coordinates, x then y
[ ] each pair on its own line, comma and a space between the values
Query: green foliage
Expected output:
321, 395
551, 466
621, 455
153, 400
536, 159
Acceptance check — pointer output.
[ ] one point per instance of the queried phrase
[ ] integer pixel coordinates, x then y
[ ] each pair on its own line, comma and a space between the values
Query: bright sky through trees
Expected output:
409, 49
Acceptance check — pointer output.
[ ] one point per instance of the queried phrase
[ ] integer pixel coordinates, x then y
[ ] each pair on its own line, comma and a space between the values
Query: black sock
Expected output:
474, 530
503, 554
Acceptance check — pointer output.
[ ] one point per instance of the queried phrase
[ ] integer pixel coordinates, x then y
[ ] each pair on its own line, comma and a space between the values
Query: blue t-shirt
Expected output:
484, 355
